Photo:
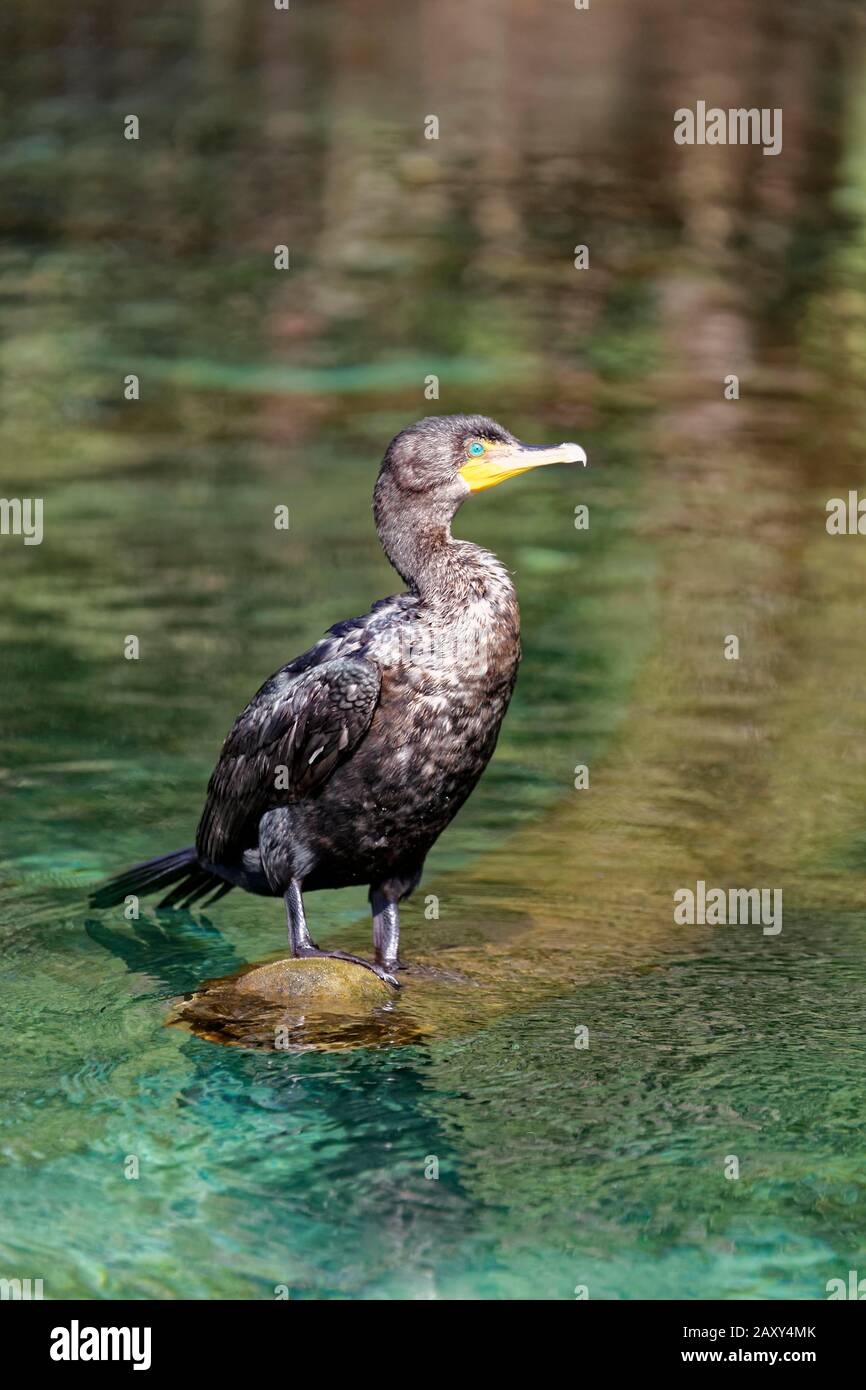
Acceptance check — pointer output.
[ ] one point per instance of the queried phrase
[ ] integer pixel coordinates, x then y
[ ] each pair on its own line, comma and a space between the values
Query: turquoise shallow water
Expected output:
555, 1168
558, 1167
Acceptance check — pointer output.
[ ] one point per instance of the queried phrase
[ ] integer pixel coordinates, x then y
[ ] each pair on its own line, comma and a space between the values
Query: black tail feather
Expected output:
220, 893
181, 868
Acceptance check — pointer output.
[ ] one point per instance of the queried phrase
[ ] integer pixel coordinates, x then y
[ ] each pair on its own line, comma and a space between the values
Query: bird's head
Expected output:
445, 458
430, 469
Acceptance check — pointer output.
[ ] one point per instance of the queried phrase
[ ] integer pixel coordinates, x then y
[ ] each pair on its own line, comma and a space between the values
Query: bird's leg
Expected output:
299, 933
386, 929
302, 944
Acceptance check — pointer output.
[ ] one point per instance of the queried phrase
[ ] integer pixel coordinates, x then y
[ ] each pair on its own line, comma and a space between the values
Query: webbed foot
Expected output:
307, 951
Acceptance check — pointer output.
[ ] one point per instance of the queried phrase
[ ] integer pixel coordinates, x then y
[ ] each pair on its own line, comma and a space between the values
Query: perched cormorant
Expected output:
351, 760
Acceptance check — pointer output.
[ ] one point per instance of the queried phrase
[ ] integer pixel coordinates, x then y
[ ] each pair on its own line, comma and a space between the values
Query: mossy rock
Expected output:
291, 1004
320, 983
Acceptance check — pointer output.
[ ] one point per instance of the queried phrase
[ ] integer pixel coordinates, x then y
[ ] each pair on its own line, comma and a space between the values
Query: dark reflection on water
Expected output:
453, 258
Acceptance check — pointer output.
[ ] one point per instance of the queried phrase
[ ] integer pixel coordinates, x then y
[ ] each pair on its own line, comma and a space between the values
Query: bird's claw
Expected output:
377, 969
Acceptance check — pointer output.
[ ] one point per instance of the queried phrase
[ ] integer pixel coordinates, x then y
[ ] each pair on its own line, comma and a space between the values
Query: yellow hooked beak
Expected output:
501, 461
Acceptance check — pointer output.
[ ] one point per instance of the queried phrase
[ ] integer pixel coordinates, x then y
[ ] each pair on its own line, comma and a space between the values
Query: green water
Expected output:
557, 1166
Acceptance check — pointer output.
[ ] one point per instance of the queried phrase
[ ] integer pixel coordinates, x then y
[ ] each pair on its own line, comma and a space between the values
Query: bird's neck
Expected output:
442, 571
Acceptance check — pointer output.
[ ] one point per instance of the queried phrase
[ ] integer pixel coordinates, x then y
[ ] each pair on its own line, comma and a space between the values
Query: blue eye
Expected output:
476, 448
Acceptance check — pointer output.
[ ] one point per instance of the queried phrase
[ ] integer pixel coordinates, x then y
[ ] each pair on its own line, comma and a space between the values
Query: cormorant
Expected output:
351, 760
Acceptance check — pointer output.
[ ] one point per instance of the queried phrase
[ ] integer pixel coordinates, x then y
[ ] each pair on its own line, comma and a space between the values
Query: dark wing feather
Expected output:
283, 747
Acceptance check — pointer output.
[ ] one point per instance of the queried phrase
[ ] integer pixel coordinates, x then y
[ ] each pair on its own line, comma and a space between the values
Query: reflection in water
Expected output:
454, 257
